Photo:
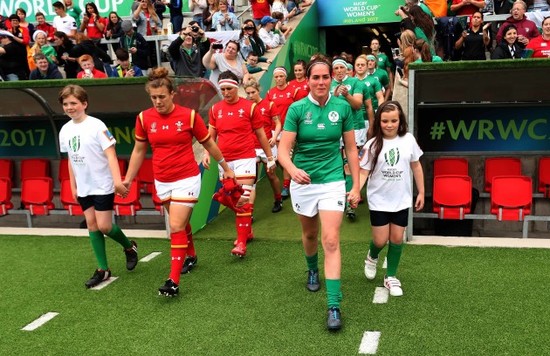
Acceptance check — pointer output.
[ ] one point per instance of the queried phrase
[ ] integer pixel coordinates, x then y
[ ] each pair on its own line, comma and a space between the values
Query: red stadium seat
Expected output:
6, 168
450, 166
145, 176
35, 167
452, 196
5, 195
37, 195
123, 166
158, 203
66, 197
63, 172
500, 166
544, 176
511, 197
130, 204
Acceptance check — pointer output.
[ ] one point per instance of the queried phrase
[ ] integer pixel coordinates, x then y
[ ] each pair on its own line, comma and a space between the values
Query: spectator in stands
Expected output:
318, 190
44, 26
372, 84
270, 33
260, 8
22, 14
93, 24
299, 82
509, 47
20, 34
44, 69
160, 8
406, 47
270, 118
250, 41
252, 63
41, 45
526, 29
228, 60
198, 7
113, 30
416, 20
466, 7
383, 62
390, 196
136, 45
474, 40
422, 53
147, 21
186, 51
62, 21
538, 5
233, 123
176, 15
73, 10
86, 46
280, 18
2, 23
223, 20
541, 45
177, 176
13, 58
281, 6
89, 71
124, 69
64, 54
95, 178
299, 4
207, 14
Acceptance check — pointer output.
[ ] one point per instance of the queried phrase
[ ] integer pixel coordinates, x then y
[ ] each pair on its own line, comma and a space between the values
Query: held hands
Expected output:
271, 164
121, 189
353, 197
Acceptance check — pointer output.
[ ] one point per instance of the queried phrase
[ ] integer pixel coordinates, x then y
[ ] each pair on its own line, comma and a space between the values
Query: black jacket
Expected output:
503, 52
185, 64
141, 57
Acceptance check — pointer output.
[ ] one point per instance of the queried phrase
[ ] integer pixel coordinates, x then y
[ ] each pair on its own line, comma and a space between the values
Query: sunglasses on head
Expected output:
249, 28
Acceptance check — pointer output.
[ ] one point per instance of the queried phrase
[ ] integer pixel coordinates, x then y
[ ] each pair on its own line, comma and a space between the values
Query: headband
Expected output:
339, 61
280, 69
370, 57
312, 64
228, 83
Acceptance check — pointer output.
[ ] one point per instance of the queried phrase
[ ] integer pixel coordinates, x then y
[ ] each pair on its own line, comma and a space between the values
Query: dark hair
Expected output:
300, 62
59, 5
508, 28
318, 59
63, 36
122, 54
378, 135
235, 43
93, 6
158, 77
421, 46
544, 20
14, 17
111, 24
75, 90
39, 56
39, 14
254, 54
422, 20
20, 9
228, 75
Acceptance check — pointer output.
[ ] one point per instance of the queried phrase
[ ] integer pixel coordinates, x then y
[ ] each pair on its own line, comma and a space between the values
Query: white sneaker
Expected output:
370, 267
394, 286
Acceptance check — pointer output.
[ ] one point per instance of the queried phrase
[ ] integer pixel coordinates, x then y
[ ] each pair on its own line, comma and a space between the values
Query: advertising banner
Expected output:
357, 12
483, 129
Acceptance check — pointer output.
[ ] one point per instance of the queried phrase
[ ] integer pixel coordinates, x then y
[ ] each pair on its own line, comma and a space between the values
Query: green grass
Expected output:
458, 301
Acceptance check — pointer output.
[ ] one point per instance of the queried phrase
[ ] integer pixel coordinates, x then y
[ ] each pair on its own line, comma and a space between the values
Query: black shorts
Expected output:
99, 202
381, 218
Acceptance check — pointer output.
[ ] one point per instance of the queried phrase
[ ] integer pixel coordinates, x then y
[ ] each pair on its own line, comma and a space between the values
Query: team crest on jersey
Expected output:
74, 143
392, 157
108, 134
179, 124
241, 112
220, 114
333, 116
165, 127
153, 127
262, 110
320, 126
288, 95
308, 119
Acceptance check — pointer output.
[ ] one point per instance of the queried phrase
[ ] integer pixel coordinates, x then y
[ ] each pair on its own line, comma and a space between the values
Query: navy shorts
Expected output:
381, 218
99, 202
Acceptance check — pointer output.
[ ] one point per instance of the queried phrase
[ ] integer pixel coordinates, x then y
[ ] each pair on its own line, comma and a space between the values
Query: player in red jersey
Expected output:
270, 115
234, 122
283, 95
170, 129
299, 82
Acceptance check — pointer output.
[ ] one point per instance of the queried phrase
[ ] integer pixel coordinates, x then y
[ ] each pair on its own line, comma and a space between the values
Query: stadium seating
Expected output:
63, 172
131, 203
544, 176
35, 167
145, 176
37, 195
5, 196
66, 197
6, 168
511, 197
450, 165
452, 196
500, 166
157, 201
123, 166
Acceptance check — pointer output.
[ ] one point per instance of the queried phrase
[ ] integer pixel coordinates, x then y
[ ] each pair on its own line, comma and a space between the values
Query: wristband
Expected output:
270, 164
270, 158
221, 160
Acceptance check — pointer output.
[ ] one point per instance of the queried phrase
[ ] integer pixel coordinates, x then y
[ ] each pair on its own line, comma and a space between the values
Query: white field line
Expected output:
381, 295
40, 321
369, 342
150, 256
104, 284
385, 265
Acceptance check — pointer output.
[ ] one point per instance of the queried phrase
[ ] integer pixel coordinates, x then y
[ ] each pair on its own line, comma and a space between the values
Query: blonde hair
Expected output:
406, 39
252, 83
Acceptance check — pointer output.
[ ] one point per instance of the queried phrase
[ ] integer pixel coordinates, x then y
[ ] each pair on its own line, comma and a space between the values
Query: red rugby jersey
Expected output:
303, 88
171, 139
267, 110
283, 98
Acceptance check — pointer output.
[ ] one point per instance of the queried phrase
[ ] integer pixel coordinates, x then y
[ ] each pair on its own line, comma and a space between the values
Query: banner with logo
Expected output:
357, 12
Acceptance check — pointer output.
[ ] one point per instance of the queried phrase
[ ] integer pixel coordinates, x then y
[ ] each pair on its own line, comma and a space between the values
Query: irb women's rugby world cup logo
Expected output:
392, 157
74, 143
